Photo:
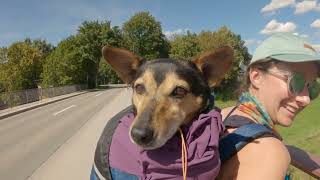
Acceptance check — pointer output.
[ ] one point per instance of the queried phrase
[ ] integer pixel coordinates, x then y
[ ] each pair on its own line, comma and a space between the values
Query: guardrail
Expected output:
30, 95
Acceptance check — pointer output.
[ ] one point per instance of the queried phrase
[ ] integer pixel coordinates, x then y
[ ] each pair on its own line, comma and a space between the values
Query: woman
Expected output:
281, 82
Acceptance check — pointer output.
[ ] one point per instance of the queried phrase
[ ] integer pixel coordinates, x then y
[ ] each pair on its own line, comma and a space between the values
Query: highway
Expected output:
29, 141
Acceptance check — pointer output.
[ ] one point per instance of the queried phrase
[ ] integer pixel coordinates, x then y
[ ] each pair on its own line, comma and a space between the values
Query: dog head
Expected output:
167, 93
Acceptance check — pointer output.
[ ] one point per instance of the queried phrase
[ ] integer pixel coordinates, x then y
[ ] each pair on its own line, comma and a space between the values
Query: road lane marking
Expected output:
64, 110
99, 94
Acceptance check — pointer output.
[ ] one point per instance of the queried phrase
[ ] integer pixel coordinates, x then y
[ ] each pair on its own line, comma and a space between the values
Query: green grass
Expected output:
224, 104
304, 133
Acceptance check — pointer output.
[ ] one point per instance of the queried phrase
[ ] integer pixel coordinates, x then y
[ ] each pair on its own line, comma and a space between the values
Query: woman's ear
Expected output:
255, 76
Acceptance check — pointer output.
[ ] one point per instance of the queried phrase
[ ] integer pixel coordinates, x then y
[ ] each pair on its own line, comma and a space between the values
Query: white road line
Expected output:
99, 94
64, 110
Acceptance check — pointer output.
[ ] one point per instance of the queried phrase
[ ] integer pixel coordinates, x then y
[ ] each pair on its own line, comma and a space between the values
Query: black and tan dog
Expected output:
167, 94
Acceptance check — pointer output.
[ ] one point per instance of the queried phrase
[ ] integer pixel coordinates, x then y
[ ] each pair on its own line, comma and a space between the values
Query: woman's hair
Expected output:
262, 65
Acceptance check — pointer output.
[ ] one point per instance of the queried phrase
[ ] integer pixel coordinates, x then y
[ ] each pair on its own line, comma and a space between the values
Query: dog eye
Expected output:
179, 92
139, 88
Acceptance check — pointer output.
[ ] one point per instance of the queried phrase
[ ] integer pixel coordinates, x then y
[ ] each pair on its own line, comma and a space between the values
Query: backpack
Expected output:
229, 145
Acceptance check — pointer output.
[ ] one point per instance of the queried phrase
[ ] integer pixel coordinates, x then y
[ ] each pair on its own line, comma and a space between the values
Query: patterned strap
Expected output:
236, 121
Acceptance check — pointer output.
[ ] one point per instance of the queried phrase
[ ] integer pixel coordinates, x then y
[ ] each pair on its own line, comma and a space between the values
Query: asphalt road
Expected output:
29, 139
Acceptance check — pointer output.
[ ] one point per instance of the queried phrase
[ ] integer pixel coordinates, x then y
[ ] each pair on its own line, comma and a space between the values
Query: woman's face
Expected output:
273, 92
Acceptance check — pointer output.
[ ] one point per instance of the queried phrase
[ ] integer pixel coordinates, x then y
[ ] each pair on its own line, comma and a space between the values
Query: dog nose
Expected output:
142, 136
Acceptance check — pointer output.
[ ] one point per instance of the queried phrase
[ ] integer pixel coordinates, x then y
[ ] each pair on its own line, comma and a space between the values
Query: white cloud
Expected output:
305, 6
251, 42
277, 4
301, 35
171, 34
273, 26
300, 7
316, 23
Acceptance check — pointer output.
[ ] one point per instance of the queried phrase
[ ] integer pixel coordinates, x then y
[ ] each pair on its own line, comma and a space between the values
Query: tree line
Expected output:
77, 59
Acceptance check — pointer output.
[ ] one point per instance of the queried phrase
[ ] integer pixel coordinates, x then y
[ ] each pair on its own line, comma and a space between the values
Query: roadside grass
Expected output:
304, 133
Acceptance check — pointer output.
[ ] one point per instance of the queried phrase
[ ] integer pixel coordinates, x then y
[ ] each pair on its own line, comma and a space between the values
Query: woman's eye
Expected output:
179, 92
139, 88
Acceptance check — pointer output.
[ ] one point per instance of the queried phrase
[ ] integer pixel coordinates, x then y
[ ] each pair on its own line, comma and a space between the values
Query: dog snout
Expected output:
142, 136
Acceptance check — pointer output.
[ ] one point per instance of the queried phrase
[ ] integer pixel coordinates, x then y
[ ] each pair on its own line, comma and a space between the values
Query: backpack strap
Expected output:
236, 121
101, 168
246, 132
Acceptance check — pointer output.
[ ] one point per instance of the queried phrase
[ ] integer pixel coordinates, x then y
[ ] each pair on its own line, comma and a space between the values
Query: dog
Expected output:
168, 95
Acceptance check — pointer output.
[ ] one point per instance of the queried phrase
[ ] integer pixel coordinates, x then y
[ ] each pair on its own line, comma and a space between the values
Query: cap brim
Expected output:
296, 57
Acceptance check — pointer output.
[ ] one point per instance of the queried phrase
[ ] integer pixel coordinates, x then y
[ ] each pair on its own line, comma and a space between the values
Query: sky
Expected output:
253, 20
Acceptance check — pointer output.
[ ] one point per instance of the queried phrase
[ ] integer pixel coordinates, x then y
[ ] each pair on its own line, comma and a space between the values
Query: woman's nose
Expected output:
303, 98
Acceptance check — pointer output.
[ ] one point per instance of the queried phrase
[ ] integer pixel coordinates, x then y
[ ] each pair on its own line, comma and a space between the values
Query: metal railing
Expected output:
30, 95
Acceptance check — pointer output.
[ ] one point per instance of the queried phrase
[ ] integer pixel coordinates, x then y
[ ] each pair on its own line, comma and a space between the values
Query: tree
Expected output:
184, 46
22, 71
63, 66
3, 60
112, 38
3, 55
188, 46
92, 36
143, 36
43, 47
2, 78
224, 37
106, 74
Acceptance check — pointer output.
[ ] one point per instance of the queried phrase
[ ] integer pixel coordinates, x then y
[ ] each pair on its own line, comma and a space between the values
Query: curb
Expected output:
5, 115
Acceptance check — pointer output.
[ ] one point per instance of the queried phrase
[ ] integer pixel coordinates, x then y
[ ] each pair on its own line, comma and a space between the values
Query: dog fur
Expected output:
167, 93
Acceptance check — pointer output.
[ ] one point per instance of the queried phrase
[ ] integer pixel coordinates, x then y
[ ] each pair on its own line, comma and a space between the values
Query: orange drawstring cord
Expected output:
184, 157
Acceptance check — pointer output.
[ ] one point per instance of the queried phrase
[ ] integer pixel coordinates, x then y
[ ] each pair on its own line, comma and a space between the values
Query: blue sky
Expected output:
254, 20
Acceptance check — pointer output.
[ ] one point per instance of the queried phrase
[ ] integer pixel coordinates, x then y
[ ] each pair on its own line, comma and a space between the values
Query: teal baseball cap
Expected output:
285, 47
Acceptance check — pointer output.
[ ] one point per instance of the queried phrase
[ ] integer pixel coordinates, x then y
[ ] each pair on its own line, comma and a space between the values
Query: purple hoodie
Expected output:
202, 139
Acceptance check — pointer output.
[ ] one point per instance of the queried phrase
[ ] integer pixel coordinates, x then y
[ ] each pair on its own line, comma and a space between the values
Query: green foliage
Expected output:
62, 66
224, 37
77, 59
43, 47
23, 68
184, 46
190, 45
3, 55
143, 36
106, 74
3, 60
92, 36
112, 36
2, 75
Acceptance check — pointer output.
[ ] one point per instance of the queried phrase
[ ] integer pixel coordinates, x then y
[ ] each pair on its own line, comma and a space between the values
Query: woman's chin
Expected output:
286, 121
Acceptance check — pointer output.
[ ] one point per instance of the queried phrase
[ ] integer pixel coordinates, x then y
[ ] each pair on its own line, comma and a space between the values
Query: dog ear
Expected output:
215, 64
124, 62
